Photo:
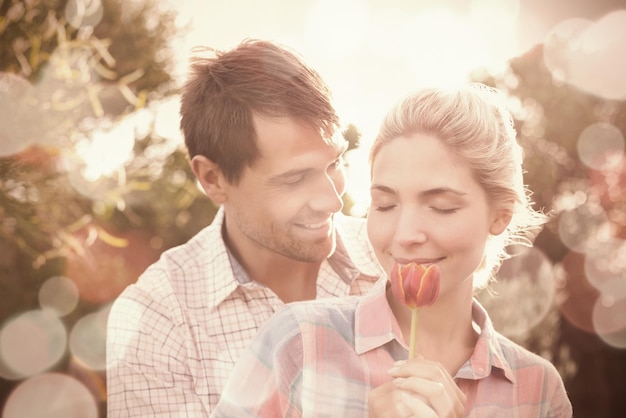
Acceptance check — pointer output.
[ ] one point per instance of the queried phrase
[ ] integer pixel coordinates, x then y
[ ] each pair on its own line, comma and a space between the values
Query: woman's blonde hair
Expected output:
473, 122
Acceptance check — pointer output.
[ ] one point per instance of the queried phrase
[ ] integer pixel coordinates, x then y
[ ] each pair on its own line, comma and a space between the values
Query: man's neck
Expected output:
290, 280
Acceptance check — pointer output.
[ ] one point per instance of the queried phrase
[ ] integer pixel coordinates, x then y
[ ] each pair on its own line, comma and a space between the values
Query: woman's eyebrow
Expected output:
442, 191
437, 191
382, 188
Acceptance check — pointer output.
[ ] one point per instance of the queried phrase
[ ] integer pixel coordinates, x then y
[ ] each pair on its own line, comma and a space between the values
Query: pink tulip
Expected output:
415, 285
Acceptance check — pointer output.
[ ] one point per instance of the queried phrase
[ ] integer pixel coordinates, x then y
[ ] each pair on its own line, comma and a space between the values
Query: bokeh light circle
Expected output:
576, 296
588, 55
32, 342
560, 43
606, 269
60, 294
582, 228
598, 141
528, 278
87, 340
609, 321
17, 114
50, 395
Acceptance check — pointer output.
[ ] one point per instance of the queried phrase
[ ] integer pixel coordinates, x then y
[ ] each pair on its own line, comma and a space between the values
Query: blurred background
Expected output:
94, 181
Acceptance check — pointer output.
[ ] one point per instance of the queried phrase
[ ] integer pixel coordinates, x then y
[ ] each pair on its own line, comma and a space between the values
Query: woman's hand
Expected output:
420, 388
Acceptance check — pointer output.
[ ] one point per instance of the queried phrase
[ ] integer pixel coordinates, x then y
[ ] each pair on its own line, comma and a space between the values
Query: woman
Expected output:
446, 189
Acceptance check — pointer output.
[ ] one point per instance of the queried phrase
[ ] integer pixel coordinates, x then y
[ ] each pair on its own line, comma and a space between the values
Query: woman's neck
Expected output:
444, 330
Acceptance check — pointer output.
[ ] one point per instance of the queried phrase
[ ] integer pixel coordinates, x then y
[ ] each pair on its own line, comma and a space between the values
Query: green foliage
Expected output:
353, 136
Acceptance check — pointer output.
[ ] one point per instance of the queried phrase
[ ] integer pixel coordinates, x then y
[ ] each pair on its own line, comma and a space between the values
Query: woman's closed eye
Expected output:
444, 210
383, 208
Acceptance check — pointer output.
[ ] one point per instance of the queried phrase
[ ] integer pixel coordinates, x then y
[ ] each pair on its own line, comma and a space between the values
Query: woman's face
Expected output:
428, 208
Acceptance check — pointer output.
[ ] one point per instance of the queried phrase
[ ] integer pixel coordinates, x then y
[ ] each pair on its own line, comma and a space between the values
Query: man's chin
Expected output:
316, 251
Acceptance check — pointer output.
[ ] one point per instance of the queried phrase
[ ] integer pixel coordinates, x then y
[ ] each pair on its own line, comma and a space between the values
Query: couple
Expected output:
446, 189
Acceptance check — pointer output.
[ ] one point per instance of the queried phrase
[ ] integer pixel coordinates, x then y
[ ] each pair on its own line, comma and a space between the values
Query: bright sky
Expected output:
369, 52
372, 52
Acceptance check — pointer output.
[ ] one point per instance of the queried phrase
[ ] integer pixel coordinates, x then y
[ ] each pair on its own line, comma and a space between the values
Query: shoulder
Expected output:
188, 272
324, 312
537, 377
316, 318
526, 364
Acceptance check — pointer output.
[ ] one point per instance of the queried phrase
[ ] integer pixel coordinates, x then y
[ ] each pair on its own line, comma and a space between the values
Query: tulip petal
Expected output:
396, 279
415, 285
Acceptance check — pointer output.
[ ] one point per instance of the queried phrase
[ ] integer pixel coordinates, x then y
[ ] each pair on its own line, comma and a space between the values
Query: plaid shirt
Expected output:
321, 359
174, 336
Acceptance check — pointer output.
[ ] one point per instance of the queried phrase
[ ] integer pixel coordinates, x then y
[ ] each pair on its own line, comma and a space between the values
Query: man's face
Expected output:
284, 203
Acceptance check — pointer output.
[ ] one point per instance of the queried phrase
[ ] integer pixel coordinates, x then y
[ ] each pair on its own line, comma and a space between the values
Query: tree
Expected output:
68, 72
587, 228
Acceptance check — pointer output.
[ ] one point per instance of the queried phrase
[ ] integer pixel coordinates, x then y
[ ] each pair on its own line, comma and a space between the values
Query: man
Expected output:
262, 139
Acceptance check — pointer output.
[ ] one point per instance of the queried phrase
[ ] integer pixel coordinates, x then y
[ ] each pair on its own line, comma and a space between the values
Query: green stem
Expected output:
414, 317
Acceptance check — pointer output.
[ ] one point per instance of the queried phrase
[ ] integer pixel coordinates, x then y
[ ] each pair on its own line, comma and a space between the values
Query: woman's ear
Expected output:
500, 221
210, 177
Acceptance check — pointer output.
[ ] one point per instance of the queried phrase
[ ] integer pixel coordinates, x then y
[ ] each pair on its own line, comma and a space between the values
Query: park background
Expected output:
94, 181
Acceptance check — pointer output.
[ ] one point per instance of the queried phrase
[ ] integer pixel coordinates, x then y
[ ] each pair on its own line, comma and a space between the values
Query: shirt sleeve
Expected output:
266, 380
560, 404
147, 372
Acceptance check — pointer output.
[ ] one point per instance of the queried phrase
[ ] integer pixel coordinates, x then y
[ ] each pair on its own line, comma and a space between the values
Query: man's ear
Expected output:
500, 221
210, 177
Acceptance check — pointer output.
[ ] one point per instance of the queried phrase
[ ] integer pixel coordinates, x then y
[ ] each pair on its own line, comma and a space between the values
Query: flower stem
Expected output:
414, 317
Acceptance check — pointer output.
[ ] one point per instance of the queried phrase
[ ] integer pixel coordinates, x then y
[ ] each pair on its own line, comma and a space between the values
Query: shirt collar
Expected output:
487, 354
375, 326
359, 252
347, 261
222, 274
341, 262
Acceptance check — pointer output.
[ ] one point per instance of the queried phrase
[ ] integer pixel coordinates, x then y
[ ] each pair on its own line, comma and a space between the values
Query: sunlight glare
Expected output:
442, 48
336, 28
107, 149
495, 21
167, 120
358, 180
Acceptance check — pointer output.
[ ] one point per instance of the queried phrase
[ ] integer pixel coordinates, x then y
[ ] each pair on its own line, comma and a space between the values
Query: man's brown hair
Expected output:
227, 88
